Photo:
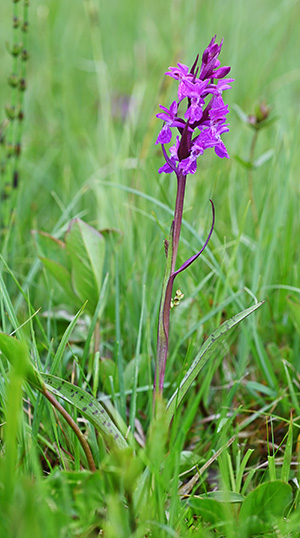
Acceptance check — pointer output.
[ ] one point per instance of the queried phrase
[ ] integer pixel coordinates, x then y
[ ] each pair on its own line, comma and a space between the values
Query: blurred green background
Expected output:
95, 79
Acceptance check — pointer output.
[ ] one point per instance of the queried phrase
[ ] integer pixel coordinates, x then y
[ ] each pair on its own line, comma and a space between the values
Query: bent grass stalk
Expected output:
75, 428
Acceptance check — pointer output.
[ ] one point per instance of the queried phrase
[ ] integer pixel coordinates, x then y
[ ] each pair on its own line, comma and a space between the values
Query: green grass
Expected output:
81, 158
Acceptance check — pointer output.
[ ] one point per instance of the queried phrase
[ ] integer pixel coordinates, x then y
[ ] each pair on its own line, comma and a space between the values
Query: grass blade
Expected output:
136, 367
61, 348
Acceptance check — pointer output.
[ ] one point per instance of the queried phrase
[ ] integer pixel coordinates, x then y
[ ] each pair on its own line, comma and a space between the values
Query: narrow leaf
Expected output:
244, 162
61, 348
97, 314
88, 406
8, 304
272, 468
202, 357
223, 496
287, 458
136, 367
294, 306
266, 156
241, 114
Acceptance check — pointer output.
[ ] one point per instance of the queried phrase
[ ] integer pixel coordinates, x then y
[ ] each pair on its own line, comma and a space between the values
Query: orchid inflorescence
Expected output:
204, 122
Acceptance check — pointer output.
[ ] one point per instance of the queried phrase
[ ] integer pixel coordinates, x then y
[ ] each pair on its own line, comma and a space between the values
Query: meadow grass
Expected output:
95, 80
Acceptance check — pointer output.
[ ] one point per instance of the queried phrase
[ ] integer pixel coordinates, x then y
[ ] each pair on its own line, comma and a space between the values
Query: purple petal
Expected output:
166, 169
164, 136
222, 72
221, 150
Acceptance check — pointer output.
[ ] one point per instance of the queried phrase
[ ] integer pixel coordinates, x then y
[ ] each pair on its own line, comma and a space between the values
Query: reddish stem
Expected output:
74, 427
164, 312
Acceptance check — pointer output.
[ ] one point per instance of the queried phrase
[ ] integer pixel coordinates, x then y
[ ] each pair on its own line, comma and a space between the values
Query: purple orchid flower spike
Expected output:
206, 112
201, 127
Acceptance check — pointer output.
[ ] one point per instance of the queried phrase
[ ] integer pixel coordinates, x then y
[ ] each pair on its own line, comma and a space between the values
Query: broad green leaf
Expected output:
202, 357
264, 506
210, 510
62, 276
88, 406
76, 492
17, 354
188, 459
213, 507
50, 247
86, 249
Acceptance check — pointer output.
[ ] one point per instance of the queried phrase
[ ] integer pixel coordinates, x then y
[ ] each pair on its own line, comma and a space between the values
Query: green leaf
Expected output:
62, 276
287, 458
225, 496
264, 506
213, 507
210, 510
258, 387
8, 304
294, 306
266, 156
272, 468
86, 249
202, 357
17, 354
97, 313
244, 162
241, 114
88, 406
51, 247
62, 345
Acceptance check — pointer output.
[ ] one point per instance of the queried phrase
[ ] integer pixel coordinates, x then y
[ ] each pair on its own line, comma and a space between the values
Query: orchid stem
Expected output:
164, 310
